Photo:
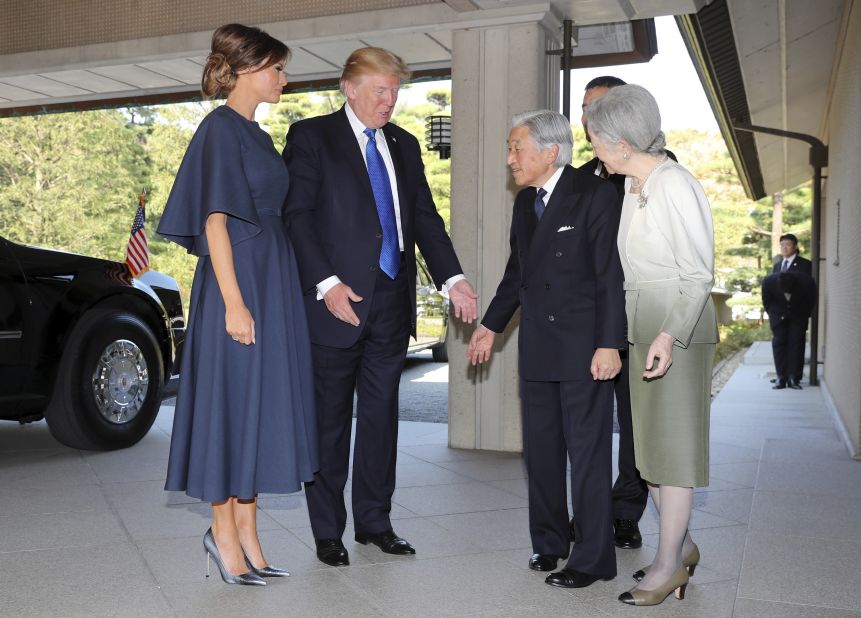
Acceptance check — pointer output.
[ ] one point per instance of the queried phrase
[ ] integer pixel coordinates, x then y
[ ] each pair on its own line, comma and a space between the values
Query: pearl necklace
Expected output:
642, 198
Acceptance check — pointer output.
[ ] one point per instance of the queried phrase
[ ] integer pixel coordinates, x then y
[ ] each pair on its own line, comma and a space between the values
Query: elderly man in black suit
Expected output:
358, 205
565, 275
788, 298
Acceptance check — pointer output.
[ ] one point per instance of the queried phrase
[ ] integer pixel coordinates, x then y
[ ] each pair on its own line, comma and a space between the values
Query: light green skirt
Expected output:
671, 416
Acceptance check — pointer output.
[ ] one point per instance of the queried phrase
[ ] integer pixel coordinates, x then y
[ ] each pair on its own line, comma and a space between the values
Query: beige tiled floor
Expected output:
779, 528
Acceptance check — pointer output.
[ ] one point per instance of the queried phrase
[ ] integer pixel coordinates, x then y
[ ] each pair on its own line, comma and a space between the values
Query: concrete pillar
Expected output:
496, 72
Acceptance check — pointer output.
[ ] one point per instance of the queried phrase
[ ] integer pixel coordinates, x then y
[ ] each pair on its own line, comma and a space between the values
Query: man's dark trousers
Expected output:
560, 421
629, 491
372, 367
787, 344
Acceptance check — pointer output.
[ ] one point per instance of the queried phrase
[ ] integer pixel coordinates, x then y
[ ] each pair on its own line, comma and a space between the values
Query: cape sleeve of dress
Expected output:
211, 178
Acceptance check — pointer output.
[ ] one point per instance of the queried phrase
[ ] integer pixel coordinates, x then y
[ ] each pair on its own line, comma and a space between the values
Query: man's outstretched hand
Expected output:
480, 345
464, 299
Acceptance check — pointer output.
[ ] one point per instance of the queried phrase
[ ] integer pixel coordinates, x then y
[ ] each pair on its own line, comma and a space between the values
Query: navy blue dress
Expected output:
244, 422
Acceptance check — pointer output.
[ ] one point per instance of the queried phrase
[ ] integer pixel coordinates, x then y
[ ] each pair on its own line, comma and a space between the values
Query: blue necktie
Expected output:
390, 254
539, 203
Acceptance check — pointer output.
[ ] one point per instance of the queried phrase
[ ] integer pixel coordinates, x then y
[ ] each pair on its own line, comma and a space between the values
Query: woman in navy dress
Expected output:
244, 420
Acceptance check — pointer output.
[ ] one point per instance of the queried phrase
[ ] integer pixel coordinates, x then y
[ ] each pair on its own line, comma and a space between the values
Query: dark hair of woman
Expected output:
235, 48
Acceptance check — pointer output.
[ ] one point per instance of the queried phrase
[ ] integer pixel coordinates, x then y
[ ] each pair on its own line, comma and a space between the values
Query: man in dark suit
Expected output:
789, 260
595, 89
788, 297
565, 276
358, 205
630, 493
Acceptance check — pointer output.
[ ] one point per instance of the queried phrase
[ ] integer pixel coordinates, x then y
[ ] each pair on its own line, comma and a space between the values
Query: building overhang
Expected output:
64, 59
769, 64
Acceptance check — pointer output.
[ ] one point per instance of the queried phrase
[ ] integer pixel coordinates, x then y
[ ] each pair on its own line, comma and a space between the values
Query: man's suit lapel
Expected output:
344, 137
400, 175
562, 200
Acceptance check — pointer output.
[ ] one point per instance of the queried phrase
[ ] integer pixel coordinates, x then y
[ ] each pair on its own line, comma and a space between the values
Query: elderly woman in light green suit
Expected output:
666, 243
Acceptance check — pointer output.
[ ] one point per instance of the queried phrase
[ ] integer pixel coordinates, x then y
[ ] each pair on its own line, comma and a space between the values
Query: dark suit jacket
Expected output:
799, 306
799, 264
618, 180
565, 275
333, 224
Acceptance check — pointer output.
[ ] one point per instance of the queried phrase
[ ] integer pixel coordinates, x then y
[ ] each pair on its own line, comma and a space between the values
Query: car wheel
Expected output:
108, 388
440, 352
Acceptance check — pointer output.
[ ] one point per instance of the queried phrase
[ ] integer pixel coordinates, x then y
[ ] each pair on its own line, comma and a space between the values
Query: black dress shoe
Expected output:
332, 552
569, 578
388, 541
543, 562
627, 534
793, 384
779, 386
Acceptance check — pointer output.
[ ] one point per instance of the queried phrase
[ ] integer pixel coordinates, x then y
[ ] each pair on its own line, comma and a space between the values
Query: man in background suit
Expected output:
629, 491
565, 276
789, 260
788, 298
358, 205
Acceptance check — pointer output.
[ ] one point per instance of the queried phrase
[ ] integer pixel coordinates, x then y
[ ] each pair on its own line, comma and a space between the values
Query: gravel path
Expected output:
723, 370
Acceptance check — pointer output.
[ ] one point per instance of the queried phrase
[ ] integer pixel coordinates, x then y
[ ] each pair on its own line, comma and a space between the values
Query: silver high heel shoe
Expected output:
267, 571
247, 579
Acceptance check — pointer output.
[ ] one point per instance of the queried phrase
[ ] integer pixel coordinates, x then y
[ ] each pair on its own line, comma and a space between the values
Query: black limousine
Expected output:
85, 345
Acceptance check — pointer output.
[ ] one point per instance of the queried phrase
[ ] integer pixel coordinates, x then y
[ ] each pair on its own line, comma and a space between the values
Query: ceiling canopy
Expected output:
61, 55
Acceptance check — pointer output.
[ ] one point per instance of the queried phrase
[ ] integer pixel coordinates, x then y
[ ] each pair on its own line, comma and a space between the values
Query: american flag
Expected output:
137, 251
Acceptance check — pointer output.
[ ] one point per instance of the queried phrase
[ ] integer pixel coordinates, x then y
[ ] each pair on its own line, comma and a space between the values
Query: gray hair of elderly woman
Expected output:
627, 113
547, 128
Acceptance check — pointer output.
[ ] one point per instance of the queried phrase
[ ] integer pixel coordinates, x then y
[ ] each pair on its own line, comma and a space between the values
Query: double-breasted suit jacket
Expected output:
333, 223
564, 274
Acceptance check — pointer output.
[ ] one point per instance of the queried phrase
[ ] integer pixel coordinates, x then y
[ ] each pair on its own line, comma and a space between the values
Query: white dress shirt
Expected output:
787, 263
551, 184
383, 147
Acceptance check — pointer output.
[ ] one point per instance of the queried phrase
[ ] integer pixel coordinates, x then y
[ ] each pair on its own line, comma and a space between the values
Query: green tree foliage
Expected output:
441, 98
70, 180
582, 148
796, 219
297, 106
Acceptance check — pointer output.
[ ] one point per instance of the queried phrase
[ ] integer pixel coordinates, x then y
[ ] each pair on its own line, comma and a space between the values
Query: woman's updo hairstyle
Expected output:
628, 112
234, 48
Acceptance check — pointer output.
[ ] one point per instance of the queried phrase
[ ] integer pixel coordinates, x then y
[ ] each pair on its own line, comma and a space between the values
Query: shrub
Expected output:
738, 335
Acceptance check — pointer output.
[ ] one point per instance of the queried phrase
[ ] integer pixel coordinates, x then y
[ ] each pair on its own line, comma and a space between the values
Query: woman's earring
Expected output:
625, 155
